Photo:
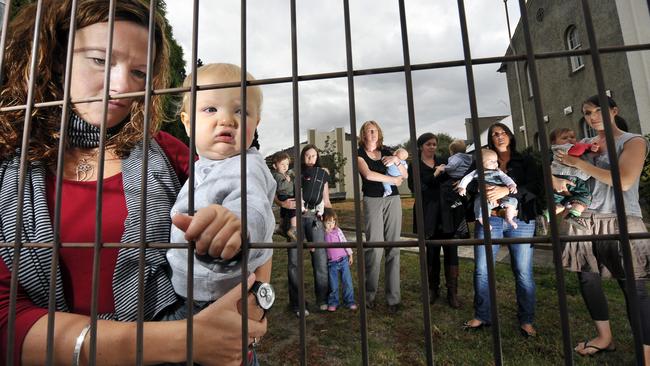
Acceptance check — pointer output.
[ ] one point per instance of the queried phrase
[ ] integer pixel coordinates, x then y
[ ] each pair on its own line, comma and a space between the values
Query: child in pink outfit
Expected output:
339, 261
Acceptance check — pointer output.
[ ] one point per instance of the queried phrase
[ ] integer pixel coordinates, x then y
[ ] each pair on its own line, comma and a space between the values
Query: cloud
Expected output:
441, 101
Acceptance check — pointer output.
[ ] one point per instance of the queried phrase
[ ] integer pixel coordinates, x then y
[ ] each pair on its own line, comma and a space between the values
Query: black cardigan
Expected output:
439, 220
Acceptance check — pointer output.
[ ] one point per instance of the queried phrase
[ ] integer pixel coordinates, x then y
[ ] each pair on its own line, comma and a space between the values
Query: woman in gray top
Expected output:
595, 259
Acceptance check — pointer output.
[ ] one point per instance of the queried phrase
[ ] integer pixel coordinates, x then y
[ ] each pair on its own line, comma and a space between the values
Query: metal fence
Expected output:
554, 238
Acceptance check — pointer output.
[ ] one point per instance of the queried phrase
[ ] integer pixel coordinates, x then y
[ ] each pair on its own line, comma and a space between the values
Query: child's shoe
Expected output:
324, 307
331, 308
387, 193
353, 307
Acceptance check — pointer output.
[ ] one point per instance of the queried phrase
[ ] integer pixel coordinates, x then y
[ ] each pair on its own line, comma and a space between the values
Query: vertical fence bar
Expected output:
11, 322
143, 182
59, 185
97, 247
244, 209
361, 260
489, 255
624, 235
3, 38
190, 179
300, 245
546, 169
424, 280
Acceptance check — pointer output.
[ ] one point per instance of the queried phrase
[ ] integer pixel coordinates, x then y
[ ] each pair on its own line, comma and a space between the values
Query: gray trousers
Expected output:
383, 218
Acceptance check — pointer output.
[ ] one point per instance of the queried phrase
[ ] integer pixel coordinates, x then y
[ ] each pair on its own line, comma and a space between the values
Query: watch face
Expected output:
265, 296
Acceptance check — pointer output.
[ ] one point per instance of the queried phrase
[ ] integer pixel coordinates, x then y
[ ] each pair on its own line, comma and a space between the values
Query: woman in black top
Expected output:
440, 222
383, 215
315, 196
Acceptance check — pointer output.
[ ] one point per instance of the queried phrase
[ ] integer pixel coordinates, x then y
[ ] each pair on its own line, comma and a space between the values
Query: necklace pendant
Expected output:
84, 170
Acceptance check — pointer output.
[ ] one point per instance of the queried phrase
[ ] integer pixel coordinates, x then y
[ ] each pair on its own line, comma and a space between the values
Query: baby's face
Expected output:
282, 166
402, 154
220, 118
490, 161
568, 137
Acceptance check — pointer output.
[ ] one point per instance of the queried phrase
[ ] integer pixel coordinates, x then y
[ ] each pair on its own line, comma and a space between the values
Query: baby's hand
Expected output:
512, 188
216, 230
594, 147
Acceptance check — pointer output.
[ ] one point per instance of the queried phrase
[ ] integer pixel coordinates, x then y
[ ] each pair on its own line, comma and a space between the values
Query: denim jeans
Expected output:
521, 259
341, 266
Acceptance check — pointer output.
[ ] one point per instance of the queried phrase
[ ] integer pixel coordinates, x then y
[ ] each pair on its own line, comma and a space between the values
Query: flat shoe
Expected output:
467, 327
586, 345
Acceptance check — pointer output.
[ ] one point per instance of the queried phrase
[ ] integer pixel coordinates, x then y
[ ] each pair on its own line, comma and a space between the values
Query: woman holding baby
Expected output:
593, 260
526, 174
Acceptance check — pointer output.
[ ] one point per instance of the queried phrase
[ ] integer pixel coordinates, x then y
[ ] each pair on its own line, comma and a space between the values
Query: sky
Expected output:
440, 96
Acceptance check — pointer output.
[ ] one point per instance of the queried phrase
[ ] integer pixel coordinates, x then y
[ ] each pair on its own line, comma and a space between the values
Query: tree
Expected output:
334, 161
444, 140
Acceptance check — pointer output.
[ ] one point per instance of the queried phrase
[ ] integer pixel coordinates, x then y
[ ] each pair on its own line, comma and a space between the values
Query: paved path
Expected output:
542, 257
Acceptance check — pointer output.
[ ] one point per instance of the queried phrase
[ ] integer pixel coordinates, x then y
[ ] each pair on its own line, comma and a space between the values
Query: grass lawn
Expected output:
334, 338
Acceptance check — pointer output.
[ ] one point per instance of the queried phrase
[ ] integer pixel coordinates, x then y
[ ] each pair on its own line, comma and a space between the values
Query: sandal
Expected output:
468, 327
528, 333
586, 345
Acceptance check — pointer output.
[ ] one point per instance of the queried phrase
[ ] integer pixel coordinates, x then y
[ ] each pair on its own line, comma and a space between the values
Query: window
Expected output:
573, 43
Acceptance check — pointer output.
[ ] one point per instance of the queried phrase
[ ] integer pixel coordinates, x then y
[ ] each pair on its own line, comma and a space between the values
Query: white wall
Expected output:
635, 26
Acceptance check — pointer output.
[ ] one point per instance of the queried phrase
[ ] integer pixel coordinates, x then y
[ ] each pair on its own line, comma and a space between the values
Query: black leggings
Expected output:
594, 297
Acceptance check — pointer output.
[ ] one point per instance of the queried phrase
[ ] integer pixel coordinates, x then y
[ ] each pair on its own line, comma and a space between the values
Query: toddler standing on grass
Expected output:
393, 170
339, 261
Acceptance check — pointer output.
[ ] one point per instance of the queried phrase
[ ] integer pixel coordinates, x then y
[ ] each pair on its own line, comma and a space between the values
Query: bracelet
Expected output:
77, 347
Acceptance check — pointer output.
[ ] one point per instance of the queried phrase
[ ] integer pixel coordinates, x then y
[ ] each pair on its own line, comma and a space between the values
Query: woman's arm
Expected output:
631, 163
326, 196
394, 160
164, 341
368, 174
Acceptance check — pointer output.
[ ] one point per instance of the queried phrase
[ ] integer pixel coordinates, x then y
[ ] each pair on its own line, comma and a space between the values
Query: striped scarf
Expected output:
34, 267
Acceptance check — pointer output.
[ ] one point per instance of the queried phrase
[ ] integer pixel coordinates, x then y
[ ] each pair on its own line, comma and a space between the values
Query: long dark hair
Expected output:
302, 156
618, 120
513, 142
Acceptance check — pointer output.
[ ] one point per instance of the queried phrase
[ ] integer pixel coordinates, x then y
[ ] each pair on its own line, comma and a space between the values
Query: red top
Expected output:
78, 226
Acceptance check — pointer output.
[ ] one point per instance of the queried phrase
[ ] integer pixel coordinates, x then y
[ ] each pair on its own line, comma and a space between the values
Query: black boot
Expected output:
451, 276
434, 284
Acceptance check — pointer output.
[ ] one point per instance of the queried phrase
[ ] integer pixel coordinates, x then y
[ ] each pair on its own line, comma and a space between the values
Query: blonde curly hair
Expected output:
50, 66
